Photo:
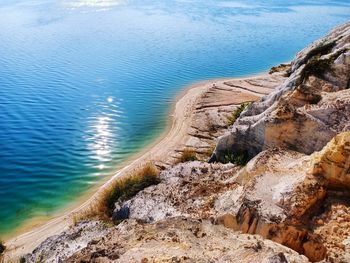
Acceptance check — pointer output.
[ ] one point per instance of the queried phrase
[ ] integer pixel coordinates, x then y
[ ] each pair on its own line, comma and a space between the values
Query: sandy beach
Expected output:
226, 93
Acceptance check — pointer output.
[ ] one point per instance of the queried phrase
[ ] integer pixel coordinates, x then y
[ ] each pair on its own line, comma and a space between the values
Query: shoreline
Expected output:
180, 113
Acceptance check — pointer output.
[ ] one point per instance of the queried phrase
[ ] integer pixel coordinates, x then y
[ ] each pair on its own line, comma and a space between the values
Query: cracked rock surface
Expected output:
183, 240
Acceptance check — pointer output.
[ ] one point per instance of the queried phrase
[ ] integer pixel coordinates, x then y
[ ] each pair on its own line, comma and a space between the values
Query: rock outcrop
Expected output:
280, 192
333, 162
182, 240
59, 248
185, 190
210, 115
276, 195
314, 100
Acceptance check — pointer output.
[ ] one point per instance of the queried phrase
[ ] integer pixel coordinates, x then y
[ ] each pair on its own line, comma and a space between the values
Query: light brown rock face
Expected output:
333, 225
210, 115
281, 194
182, 240
333, 162
306, 111
275, 197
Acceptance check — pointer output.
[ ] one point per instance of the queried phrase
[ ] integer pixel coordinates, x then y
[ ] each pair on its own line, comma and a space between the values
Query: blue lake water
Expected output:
86, 83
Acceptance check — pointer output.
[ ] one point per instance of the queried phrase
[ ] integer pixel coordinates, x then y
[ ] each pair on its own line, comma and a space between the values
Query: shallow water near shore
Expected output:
85, 84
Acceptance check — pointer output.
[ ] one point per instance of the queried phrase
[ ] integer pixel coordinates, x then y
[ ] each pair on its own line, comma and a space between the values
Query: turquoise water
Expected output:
84, 84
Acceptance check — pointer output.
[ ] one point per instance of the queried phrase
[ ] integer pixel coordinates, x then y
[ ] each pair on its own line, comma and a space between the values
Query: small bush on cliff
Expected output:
129, 186
235, 115
315, 67
187, 155
2, 249
318, 66
209, 151
120, 190
239, 159
281, 68
321, 49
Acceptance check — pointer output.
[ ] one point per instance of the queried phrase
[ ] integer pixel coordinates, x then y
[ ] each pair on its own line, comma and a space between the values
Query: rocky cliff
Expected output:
289, 203
313, 103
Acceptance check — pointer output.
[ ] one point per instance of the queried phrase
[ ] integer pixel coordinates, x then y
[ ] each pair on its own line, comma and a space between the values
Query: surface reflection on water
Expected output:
93, 3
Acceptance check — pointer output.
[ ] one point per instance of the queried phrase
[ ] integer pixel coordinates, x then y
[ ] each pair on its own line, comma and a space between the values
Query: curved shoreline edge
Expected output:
175, 135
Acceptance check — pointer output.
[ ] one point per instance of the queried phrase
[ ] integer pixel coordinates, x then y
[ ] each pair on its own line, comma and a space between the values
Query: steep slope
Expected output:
281, 192
314, 100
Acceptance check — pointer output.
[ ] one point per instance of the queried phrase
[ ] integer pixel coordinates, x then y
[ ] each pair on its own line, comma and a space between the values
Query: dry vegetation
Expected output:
187, 155
209, 151
120, 190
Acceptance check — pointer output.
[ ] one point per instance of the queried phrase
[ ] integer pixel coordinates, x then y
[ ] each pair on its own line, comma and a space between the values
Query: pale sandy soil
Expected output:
185, 125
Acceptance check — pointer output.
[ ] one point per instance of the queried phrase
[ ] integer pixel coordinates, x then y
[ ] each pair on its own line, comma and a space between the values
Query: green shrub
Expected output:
129, 186
187, 155
235, 115
281, 68
2, 250
2, 247
317, 66
241, 158
119, 190
321, 49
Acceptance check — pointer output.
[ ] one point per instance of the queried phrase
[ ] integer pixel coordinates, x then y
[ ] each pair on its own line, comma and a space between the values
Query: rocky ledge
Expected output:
289, 203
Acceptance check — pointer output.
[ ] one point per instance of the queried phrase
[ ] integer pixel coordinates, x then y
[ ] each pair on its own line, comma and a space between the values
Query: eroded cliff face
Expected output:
284, 191
306, 111
289, 203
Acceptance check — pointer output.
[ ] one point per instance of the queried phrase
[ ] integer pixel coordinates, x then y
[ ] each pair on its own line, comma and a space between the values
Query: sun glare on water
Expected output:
99, 145
93, 3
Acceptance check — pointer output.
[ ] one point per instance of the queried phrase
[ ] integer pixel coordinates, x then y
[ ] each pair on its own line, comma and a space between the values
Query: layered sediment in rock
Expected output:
333, 162
279, 194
